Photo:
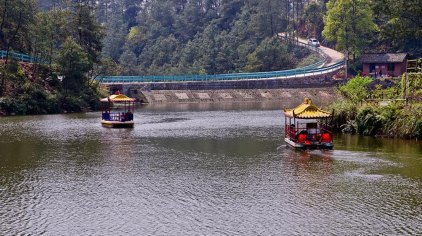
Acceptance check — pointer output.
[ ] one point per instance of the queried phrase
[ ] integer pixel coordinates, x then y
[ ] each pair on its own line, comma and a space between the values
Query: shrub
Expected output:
412, 86
71, 103
417, 132
369, 122
344, 110
53, 105
356, 89
349, 127
7, 105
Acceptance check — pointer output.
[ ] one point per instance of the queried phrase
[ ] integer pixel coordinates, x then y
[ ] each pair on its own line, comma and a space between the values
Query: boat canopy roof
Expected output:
118, 98
307, 110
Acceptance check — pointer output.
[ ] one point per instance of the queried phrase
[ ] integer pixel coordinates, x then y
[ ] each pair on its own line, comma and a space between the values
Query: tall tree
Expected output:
16, 18
86, 30
313, 17
400, 24
270, 55
348, 23
116, 31
74, 63
128, 62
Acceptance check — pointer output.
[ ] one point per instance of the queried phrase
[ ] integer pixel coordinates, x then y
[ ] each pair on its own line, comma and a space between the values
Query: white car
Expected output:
313, 42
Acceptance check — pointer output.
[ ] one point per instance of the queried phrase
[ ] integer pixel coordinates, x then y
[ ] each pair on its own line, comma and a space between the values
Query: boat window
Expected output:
311, 125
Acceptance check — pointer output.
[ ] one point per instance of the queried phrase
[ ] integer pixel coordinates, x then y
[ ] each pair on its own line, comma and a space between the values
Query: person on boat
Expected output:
129, 116
312, 132
106, 115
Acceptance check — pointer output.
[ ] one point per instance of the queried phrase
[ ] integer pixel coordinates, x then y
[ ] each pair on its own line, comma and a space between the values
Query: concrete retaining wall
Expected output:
239, 95
313, 86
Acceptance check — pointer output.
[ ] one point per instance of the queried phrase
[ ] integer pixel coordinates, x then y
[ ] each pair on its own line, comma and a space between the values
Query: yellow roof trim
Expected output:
307, 110
118, 98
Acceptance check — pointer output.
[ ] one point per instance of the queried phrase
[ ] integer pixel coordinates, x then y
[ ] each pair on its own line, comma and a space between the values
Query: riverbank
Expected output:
382, 107
29, 89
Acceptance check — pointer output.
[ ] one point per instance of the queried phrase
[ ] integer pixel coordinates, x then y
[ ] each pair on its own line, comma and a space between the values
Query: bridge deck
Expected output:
331, 61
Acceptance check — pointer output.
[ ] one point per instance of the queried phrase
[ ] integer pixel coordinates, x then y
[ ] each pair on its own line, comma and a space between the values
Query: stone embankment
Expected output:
321, 95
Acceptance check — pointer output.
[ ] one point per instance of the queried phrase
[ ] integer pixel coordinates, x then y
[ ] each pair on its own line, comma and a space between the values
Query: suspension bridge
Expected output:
330, 61
318, 74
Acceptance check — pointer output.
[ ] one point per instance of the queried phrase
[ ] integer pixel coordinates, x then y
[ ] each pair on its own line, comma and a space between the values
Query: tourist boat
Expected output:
117, 111
307, 127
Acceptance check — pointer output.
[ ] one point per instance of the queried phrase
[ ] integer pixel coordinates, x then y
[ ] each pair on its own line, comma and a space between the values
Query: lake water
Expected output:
201, 170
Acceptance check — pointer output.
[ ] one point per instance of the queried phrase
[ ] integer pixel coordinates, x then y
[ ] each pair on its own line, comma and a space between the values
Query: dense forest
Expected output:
76, 40
67, 41
217, 36
195, 37
223, 36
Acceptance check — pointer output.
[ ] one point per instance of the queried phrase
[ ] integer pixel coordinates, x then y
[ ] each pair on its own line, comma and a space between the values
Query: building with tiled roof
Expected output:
384, 64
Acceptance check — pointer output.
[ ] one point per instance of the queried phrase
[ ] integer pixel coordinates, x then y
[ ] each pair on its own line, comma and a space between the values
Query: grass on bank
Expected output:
386, 107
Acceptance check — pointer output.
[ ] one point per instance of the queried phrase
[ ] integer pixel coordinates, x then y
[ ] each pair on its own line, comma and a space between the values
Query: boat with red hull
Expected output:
307, 127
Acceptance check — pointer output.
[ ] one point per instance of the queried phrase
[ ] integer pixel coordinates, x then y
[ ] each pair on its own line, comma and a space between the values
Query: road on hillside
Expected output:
333, 56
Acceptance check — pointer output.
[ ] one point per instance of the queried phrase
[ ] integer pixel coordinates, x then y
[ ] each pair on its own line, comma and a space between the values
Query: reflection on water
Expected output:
195, 169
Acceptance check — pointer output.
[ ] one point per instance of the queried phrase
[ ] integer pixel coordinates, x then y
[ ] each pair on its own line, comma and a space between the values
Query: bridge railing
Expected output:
312, 69
19, 56
222, 77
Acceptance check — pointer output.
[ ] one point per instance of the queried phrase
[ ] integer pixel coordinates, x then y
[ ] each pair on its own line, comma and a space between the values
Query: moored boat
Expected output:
307, 127
117, 111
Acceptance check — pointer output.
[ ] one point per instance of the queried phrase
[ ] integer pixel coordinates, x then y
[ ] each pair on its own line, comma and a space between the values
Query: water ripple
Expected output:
197, 173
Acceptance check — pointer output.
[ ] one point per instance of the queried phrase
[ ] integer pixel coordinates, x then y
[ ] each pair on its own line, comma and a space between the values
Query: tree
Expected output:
356, 89
190, 22
270, 55
87, 32
400, 24
128, 61
228, 11
107, 67
314, 19
348, 23
266, 18
75, 64
116, 31
16, 18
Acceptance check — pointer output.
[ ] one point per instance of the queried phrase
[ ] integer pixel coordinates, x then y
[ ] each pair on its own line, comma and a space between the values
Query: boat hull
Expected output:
117, 124
310, 145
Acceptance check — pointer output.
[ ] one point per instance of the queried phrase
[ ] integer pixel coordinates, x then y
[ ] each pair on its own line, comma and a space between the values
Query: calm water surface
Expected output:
201, 170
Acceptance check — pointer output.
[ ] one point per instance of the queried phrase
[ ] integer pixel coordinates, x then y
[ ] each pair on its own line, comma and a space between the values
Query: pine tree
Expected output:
348, 23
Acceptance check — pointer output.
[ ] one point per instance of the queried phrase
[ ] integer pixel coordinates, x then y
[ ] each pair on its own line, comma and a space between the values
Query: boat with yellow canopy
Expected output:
307, 126
117, 111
